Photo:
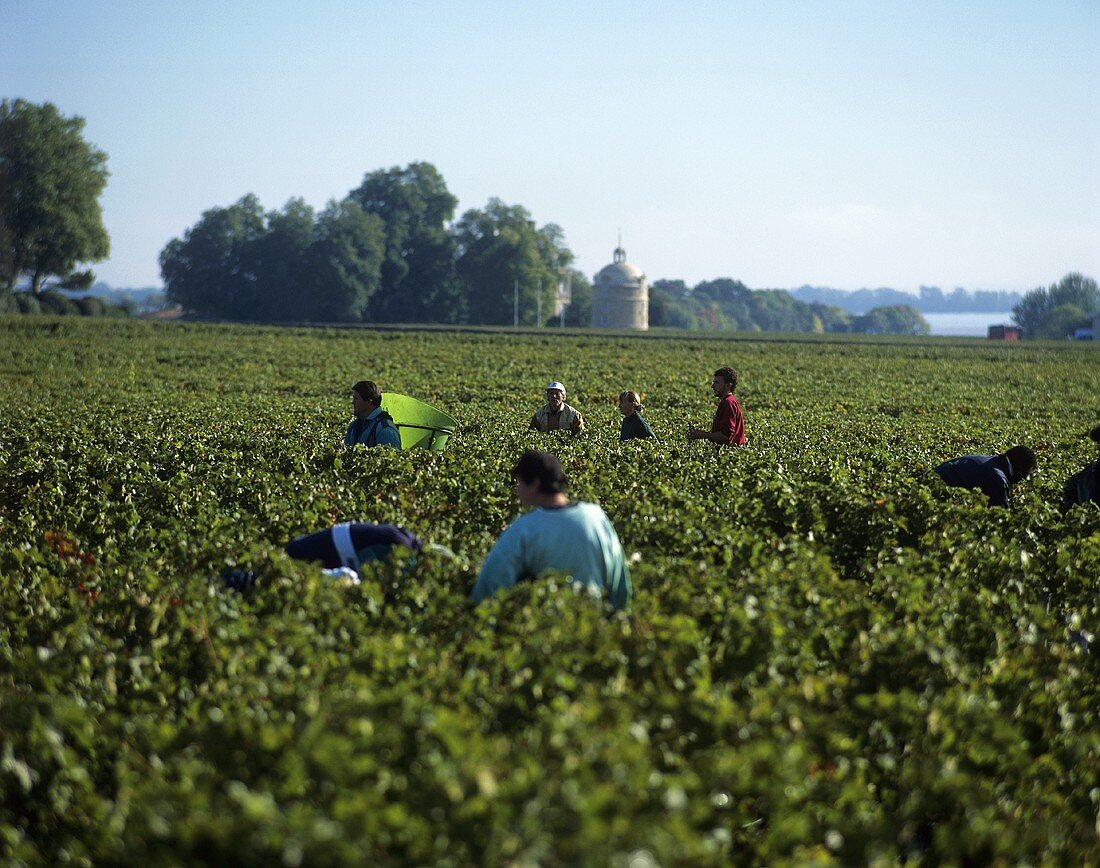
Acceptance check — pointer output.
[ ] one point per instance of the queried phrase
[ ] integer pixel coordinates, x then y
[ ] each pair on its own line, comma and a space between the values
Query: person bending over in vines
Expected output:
995, 475
1084, 486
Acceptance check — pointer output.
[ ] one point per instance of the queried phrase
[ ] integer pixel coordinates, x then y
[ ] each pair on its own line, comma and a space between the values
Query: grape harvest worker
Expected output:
351, 544
372, 426
728, 427
557, 534
993, 474
634, 424
1084, 486
556, 415
341, 551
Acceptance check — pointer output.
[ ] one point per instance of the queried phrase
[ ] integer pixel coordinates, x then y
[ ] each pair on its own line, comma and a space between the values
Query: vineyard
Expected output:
830, 656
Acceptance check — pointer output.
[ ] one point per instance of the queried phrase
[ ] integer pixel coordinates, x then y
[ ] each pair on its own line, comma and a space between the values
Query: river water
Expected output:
965, 324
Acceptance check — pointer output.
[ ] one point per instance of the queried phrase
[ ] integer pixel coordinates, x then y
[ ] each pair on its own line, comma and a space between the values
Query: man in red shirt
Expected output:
728, 426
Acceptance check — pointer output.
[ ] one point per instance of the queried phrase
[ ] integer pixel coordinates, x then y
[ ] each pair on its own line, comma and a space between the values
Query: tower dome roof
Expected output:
620, 271
620, 297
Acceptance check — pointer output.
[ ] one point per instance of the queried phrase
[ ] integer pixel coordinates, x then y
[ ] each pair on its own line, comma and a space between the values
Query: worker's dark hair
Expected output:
541, 467
634, 398
729, 375
368, 390
1022, 460
1095, 435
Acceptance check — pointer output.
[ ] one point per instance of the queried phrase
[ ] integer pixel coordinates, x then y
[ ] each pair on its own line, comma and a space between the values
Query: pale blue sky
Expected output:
837, 143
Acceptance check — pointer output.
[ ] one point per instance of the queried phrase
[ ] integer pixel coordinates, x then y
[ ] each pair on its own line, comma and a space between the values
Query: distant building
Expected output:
620, 295
1004, 333
564, 296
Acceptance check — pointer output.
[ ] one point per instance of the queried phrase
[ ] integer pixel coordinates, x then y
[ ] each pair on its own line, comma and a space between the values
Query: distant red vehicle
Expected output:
1004, 333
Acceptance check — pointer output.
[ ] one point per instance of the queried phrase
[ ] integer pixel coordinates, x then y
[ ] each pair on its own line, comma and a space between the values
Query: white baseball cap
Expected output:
556, 385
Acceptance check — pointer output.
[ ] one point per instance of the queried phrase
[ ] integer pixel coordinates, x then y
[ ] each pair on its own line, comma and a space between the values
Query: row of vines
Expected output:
830, 657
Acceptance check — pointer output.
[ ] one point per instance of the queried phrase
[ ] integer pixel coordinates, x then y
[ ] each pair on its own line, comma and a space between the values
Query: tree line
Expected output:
1059, 310
387, 252
930, 299
729, 305
390, 251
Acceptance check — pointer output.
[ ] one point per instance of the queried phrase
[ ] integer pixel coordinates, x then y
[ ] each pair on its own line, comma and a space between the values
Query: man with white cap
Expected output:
557, 415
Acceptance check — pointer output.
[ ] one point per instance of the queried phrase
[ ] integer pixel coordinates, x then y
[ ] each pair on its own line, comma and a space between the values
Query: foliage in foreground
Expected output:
830, 658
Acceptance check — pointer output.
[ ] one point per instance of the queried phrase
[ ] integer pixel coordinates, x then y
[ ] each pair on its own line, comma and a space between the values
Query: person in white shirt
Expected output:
556, 415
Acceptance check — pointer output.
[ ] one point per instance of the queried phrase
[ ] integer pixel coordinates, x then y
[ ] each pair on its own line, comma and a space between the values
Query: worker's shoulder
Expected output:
967, 461
573, 512
583, 512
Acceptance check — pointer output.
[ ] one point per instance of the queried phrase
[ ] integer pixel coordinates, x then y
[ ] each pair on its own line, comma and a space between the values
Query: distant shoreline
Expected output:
973, 324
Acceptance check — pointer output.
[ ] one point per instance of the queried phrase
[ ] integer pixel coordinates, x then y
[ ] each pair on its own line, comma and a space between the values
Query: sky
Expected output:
827, 142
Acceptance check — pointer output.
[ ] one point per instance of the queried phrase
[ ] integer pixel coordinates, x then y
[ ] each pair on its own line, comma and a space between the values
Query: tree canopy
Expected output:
894, 319
202, 271
238, 263
415, 207
50, 183
500, 250
389, 253
1056, 311
728, 305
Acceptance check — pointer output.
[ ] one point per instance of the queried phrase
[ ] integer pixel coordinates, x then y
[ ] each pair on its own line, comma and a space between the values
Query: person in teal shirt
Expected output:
557, 534
372, 426
634, 424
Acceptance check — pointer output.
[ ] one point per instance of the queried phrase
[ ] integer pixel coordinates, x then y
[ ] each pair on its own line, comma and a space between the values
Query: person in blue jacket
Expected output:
372, 426
557, 534
351, 544
341, 551
993, 474
1084, 487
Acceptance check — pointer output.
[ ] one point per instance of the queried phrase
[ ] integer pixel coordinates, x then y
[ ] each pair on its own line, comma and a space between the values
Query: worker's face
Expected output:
526, 491
555, 398
361, 406
719, 386
625, 406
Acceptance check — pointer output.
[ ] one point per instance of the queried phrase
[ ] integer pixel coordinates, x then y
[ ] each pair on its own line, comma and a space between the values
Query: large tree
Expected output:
1057, 310
670, 305
723, 304
500, 251
202, 271
773, 310
891, 319
50, 183
344, 263
271, 273
415, 207
289, 265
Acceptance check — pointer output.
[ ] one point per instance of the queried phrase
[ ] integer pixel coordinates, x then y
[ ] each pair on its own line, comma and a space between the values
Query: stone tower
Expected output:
620, 295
